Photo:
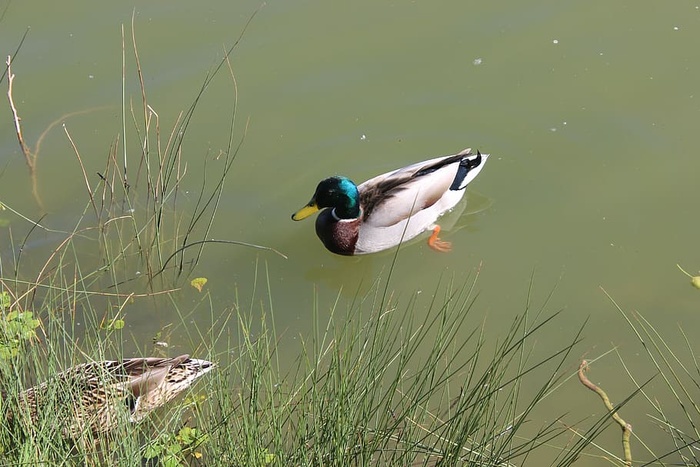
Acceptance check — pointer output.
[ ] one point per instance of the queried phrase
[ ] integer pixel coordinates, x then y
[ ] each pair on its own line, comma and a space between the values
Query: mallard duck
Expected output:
97, 395
393, 207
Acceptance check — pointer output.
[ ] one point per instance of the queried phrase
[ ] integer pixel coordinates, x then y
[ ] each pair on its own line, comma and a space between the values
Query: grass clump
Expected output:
130, 242
374, 386
671, 405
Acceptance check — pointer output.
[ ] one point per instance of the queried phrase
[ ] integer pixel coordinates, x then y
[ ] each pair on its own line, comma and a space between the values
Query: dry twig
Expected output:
626, 427
29, 158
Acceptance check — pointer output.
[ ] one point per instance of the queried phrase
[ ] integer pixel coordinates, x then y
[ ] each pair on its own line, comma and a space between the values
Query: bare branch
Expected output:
626, 427
18, 129
28, 156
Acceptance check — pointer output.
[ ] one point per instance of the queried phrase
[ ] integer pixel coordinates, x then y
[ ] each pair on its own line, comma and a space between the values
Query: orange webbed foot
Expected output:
438, 245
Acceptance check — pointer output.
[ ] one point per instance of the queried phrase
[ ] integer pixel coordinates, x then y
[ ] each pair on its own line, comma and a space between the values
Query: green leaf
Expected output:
114, 325
198, 283
172, 461
187, 435
153, 450
4, 300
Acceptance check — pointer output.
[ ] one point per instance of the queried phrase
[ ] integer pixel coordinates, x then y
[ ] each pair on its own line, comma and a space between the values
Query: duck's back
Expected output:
401, 204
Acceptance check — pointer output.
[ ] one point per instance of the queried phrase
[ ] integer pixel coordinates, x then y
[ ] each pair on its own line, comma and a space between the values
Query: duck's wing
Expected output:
395, 196
149, 383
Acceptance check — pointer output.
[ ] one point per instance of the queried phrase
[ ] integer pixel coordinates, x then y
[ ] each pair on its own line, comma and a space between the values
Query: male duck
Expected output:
393, 207
99, 393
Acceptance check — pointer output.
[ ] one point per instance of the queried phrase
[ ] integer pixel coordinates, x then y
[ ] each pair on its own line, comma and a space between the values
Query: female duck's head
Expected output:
339, 193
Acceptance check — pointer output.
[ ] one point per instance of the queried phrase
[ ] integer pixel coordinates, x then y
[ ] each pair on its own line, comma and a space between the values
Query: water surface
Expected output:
590, 111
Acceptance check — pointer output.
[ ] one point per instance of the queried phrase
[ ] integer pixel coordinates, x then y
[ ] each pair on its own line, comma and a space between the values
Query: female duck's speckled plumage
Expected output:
97, 395
393, 207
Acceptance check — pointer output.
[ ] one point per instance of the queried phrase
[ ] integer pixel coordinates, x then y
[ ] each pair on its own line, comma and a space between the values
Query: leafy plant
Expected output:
16, 328
173, 450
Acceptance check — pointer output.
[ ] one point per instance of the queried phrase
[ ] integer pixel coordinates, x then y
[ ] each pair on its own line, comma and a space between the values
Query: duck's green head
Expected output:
339, 193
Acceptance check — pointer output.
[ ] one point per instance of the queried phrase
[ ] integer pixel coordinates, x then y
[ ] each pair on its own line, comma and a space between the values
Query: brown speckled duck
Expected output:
99, 394
393, 207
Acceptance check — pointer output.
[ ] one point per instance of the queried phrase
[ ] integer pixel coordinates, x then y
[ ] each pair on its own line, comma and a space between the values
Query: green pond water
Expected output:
590, 111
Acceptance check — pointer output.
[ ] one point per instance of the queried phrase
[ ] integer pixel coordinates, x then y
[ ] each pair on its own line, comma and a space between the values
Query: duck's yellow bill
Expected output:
305, 212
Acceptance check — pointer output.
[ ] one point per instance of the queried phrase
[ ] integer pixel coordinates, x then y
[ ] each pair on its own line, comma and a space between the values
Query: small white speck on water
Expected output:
676, 28
477, 61
363, 137
553, 129
555, 41
91, 76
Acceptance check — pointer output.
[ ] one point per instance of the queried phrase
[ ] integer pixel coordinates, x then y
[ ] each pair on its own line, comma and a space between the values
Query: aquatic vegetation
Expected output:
17, 328
694, 280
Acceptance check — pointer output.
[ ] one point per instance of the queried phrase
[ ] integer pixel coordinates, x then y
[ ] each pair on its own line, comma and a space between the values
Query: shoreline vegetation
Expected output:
371, 384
